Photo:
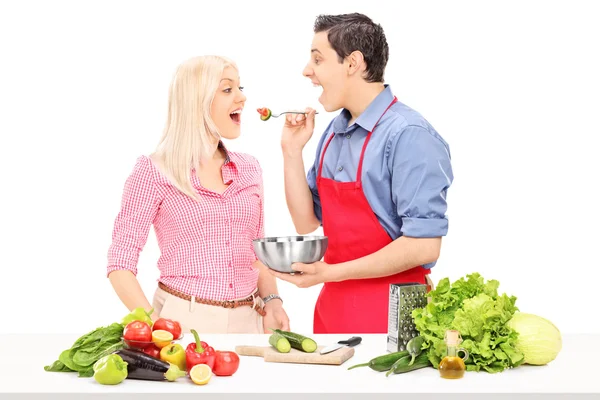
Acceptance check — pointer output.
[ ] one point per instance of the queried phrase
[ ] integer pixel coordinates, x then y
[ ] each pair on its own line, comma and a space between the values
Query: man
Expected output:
378, 183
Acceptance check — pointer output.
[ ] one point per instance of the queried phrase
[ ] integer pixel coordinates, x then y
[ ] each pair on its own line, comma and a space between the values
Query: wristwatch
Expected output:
271, 297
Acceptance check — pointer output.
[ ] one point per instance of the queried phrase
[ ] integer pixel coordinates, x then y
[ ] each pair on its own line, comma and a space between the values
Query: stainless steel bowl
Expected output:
279, 253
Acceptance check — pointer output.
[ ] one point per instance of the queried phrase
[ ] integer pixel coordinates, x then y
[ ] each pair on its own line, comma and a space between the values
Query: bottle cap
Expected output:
453, 337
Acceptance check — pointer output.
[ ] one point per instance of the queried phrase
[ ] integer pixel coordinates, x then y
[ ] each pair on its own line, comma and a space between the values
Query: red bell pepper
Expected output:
199, 353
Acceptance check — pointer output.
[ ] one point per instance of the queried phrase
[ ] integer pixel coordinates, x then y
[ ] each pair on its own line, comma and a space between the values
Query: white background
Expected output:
512, 86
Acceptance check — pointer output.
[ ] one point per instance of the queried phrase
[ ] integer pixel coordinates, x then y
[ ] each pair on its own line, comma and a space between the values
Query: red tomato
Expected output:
137, 334
226, 363
152, 351
263, 111
168, 325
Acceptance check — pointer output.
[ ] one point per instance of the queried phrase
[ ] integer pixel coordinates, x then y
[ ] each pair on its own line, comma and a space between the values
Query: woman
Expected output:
206, 205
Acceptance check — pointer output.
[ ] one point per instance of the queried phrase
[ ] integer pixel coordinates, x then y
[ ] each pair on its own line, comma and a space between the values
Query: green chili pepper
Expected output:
384, 362
414, 347
139, 314
110, 370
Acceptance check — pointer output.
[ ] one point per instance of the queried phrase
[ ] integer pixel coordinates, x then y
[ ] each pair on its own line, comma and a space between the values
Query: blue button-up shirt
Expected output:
406, 168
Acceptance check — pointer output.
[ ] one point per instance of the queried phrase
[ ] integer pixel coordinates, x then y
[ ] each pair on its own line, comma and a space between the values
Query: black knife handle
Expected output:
353, 341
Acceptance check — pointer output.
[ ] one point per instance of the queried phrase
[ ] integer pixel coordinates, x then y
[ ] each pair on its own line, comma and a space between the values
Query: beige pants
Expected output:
207, 319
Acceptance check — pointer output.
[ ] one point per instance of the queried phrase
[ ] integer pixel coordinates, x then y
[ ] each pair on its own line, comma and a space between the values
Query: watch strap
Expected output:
271, 297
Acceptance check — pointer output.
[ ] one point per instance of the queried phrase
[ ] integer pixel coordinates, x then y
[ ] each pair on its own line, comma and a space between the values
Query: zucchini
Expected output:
280, 343
298, 341
384, 362
414, 347
404, 365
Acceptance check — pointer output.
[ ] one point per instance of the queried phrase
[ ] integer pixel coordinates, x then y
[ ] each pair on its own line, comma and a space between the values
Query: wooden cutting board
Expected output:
270, 354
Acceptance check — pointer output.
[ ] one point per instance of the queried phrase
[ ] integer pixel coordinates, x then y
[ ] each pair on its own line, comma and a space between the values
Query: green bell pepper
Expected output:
110, 370
139, 314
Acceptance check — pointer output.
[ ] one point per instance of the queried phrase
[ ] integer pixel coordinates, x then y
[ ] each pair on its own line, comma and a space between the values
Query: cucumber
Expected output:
266, 117
298, 341
280, 343
384, 362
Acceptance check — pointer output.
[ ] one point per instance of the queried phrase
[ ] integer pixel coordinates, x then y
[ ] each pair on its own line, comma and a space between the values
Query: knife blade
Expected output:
353, 341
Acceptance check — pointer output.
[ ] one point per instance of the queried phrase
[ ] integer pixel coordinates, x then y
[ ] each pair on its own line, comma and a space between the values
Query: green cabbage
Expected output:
480, 314
539, 340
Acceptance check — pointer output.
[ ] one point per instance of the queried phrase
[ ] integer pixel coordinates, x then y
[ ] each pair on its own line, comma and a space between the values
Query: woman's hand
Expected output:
276, 317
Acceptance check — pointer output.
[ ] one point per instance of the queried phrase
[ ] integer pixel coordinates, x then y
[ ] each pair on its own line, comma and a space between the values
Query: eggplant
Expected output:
145, 367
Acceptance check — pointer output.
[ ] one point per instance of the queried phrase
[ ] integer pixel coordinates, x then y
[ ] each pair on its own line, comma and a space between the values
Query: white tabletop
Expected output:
576, 370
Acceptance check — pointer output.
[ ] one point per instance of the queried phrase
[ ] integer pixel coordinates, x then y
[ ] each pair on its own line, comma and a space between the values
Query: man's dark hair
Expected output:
357, 32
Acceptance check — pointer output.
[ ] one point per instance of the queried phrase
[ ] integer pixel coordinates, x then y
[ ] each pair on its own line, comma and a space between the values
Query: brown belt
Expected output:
248, 301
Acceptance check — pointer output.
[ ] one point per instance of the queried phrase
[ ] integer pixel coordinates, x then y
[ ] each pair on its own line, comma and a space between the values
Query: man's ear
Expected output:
356, 63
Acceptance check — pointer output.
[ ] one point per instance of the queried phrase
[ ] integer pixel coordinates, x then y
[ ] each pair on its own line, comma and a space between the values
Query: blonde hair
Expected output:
190, 134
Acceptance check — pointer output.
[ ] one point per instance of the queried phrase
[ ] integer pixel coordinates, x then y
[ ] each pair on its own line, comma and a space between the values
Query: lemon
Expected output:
161, 338
200, 374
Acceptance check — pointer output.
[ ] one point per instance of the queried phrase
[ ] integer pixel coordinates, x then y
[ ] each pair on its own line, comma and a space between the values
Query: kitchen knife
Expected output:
353, 341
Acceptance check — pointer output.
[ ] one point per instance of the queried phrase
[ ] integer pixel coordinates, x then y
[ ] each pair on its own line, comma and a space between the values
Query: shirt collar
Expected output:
370, 116
227, 156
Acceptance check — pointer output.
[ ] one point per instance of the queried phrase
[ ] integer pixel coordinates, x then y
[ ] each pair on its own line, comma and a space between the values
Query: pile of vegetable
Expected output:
137, 348
412, 359
494, 333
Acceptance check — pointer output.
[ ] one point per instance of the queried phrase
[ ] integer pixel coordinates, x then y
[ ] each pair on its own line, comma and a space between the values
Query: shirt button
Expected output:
347, 136
340, 168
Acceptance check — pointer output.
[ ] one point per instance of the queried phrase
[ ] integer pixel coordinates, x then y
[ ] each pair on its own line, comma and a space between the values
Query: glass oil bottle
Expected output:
452, 366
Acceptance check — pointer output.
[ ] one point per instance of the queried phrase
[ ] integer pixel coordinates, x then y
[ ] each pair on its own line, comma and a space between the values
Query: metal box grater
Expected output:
404, 298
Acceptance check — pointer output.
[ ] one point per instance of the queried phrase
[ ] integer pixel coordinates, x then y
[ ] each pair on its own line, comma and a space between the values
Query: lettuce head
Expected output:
474, 308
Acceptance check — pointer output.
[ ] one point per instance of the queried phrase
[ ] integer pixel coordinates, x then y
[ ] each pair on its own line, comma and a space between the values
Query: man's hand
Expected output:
297, 131
276, 317
306, 275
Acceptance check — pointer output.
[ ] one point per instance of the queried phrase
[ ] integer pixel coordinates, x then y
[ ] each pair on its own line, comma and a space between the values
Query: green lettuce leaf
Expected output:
474, 308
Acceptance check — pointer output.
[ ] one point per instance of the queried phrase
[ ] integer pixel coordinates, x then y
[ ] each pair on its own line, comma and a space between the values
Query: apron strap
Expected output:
362, 154
323, 156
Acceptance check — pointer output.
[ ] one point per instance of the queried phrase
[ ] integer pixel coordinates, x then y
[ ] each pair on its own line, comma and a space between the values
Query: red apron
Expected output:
361, 305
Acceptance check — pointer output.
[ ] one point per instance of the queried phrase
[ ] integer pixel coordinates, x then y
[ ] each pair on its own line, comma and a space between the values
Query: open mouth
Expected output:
236, 116
317, 86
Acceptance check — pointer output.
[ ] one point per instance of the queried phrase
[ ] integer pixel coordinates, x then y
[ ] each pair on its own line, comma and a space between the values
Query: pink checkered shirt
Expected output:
206, 247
